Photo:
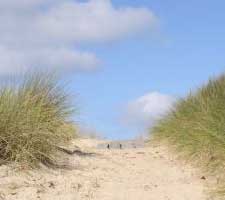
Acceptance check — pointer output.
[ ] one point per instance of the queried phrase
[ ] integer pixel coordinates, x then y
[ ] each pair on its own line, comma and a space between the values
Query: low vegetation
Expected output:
35, 118
196, 128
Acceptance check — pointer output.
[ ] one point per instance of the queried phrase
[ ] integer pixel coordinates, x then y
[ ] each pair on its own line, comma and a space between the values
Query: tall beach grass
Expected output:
196, 128
35, 118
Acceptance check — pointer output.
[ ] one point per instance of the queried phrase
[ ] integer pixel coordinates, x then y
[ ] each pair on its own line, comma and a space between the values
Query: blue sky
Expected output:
121, 57
188, 49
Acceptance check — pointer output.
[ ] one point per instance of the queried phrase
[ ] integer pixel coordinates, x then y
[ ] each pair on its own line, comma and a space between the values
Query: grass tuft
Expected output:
196, 128
35, 117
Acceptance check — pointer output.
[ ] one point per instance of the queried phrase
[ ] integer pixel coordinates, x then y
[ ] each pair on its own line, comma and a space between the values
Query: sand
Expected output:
148, 173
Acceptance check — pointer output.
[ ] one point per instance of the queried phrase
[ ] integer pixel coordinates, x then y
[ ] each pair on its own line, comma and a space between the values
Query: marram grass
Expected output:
196, 128
35, 117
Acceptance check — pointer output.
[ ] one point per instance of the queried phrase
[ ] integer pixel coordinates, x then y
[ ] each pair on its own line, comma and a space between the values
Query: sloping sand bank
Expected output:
147, 173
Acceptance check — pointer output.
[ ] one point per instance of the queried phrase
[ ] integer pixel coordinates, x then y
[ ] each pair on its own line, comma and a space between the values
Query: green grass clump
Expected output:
196, 127
35, 117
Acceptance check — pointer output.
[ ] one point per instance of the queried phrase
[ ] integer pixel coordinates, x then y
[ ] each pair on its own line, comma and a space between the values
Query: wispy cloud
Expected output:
143, 112
47, 33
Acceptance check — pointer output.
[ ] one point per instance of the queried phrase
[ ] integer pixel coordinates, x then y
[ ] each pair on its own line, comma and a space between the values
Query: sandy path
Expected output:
130, 174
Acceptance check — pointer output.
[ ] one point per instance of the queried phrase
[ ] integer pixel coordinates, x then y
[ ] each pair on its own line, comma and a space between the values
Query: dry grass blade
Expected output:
196, 127
35, 117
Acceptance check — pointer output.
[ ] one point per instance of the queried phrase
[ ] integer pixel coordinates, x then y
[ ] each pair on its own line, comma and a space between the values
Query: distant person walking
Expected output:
108, 147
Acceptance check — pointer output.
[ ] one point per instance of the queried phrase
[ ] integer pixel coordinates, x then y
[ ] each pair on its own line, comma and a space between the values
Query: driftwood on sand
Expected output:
65, 165
74, 152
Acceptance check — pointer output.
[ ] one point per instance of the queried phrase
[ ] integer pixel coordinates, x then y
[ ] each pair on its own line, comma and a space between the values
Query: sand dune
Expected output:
147, 173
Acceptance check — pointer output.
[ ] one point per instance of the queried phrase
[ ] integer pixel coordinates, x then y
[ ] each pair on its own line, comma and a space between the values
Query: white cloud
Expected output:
13, 4
145, 111
48, 32
96, 20
16, 61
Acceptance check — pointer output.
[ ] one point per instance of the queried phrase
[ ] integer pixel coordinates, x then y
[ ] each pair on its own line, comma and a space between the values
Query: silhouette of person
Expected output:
120, 146
108, 146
